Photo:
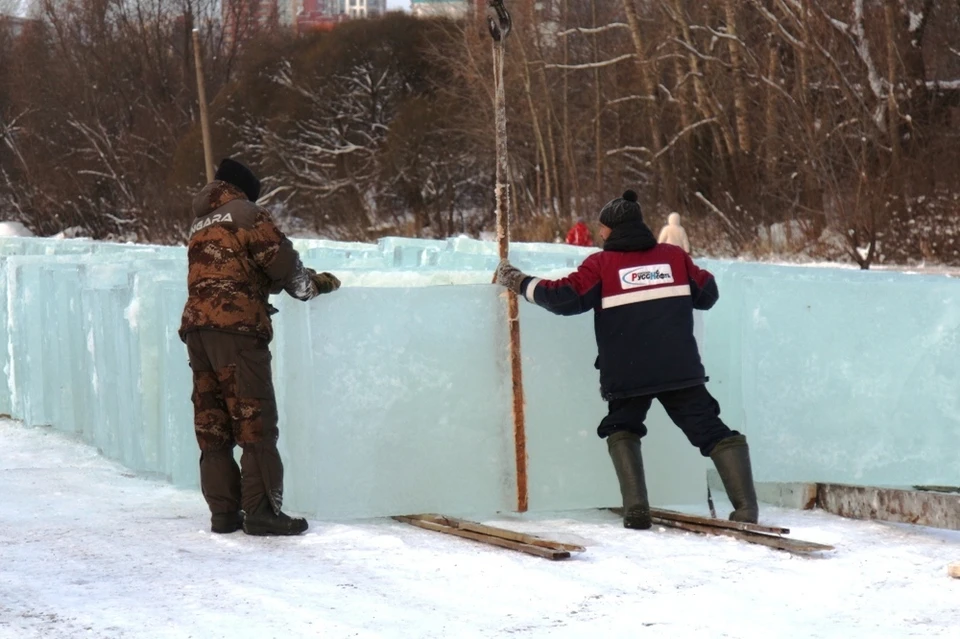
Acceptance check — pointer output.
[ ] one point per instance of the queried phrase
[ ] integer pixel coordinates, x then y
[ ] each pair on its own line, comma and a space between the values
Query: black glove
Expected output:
510, 276
325, 282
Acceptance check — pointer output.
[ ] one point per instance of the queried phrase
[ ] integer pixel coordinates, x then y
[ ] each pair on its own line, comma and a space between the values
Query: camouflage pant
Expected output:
234, 403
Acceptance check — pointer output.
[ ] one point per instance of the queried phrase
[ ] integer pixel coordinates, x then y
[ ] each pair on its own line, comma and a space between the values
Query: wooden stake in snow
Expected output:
202, 98
498, 20
954, 570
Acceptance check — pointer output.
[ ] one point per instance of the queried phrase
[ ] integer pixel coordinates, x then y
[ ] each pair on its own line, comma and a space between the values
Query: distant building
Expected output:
16, 26
243, 19
362, 8
445, 8
323, 15
16, 16
319, 15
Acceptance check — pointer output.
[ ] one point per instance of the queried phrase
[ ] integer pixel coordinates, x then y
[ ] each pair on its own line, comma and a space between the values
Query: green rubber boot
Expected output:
624, 448
732, 459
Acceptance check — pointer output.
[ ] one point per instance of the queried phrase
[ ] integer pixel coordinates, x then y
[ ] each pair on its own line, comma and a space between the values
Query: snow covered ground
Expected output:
89, 550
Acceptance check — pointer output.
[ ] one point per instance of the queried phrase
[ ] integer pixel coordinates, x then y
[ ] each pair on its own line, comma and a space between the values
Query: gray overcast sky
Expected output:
398, 4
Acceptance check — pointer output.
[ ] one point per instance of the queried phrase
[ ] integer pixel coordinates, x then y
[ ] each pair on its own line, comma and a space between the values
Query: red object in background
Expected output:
319, 15
579, 235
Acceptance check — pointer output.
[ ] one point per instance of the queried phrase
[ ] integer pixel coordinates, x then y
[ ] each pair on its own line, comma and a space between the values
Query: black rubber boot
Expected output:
225, 523
732, 458
264, 521
624, 448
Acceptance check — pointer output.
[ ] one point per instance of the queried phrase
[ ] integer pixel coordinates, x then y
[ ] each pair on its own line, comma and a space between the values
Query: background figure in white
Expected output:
674, 234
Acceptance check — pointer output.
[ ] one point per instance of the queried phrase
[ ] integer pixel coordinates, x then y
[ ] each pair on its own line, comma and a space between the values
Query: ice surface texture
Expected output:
394, 396
839, 375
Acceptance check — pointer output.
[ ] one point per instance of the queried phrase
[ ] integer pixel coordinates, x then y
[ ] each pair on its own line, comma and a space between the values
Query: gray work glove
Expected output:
510, 276
325, 282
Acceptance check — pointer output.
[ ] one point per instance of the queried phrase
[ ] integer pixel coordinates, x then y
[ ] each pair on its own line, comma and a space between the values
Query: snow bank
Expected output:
14, 229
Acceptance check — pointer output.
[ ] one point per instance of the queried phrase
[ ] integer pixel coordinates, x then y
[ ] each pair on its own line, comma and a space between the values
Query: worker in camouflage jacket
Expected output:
237, 258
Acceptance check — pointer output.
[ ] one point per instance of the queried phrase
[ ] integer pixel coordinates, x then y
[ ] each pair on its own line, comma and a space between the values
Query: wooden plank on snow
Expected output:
718, 523
710, 521
503, 533
434, 523
772, 541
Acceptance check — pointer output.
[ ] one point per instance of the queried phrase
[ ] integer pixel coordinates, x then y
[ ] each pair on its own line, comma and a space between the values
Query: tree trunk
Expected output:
771, 142
893, 112
547, 99
740, 102
802, 57
568, 159
535, 123
598, 112
704, 102
647, 82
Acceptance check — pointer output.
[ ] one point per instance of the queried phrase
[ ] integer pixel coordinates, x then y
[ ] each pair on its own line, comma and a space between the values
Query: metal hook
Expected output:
498, 20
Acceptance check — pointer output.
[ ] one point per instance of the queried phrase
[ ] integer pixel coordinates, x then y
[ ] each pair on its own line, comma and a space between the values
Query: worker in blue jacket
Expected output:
643, 295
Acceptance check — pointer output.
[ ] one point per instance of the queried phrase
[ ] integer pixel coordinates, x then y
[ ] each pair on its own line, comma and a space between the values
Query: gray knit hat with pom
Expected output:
620, 210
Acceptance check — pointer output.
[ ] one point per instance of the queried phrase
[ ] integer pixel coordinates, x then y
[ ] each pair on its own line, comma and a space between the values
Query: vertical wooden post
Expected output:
499, 24
202, 97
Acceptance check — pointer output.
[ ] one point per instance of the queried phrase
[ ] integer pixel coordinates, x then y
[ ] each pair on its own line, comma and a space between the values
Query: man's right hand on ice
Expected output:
510, 276
325, 282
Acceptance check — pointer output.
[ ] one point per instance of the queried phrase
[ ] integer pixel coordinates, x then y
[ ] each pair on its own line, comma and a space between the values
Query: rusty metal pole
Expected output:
498, 21
202, 97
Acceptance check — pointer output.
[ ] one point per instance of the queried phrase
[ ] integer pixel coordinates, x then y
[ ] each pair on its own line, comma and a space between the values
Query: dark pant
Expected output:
234, 403
693, 409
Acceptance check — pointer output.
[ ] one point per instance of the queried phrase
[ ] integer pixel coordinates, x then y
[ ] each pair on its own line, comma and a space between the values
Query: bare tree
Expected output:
835, 118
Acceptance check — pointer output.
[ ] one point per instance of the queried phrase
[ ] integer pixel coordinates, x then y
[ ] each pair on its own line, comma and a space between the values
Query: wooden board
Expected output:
772, 541
751, 533
503, 533
710, 521
718, 523
501, 537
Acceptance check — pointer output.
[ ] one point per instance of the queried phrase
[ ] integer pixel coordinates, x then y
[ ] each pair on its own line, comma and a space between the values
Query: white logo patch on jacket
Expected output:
216, 218
643, 276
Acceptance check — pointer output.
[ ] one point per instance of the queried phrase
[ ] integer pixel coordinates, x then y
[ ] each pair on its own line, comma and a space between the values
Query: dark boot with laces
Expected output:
264, 521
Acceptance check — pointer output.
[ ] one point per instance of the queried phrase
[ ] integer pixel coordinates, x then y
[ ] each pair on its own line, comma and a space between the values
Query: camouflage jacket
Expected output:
237, 257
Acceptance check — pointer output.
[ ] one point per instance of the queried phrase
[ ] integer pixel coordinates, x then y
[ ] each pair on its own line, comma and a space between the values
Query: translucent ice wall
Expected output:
394, 392
840, 375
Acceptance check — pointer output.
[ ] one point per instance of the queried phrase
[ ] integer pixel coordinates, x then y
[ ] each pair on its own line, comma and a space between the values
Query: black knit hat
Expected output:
240, 176
620, 210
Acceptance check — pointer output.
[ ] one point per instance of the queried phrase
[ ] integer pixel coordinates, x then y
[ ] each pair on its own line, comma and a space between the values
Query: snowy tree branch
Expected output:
591, 65
589, 30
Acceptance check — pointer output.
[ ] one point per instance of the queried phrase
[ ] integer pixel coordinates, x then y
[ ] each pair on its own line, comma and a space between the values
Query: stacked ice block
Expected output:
394, 393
